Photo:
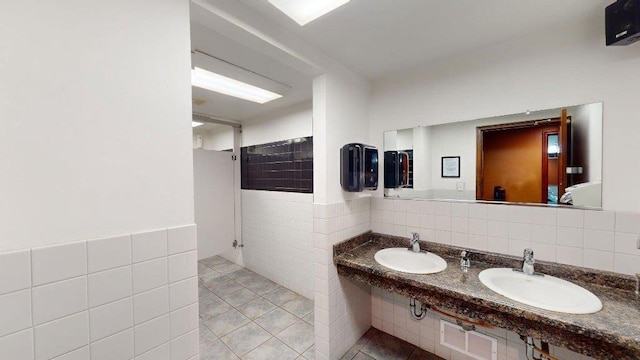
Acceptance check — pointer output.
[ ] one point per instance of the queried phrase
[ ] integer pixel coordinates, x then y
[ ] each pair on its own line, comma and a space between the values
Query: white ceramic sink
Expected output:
404, 260
545, 292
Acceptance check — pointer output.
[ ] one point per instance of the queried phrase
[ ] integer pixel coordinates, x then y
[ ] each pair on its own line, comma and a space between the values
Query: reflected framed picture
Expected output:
450, 167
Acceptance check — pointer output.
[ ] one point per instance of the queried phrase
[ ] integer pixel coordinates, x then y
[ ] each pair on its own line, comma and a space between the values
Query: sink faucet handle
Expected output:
465, 262
415, 236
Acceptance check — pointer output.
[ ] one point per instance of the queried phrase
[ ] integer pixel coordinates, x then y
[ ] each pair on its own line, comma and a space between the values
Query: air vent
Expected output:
471, 343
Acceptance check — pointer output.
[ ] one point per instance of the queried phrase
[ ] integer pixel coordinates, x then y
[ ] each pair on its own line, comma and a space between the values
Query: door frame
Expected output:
482, 130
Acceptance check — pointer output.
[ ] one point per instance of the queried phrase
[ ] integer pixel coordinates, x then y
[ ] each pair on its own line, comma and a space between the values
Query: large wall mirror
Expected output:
549, 157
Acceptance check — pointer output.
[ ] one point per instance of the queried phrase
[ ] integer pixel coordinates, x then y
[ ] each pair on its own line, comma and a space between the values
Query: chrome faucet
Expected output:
415, 245
528, 261
465, 263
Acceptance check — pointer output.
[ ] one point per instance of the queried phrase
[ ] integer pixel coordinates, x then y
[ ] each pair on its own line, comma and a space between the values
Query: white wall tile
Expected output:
460, 225
61, 336
498, 229
58, 262
110, 285
442, 208
601, 260
571, 218
183, 266
183, 293
543, 234
150, 304
15, 271
460, 210
516, 247
60, 299
626, 264
161, 352
15, 312
544, 252
599, 240
151, 334
149, 275
600, 220
184, 320
184, 347
570, 237
182, 238
519, 231
544, 216
148, 245
627, 222
83, 353
627, 243
498, 212
478, 211
17, 346
112, 318
520, 214
569, 255
413, 206
400, 205
108, 253
115, 347
477, 227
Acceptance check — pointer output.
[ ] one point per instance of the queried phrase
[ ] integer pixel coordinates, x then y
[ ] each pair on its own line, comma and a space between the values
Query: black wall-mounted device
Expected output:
396, 169
358, 167
622, 20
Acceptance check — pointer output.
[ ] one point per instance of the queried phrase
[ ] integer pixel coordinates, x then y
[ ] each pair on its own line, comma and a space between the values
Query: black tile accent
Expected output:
278, 166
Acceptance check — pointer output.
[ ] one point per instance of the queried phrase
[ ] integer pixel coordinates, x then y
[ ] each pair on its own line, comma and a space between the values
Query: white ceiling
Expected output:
374, 38
378, 37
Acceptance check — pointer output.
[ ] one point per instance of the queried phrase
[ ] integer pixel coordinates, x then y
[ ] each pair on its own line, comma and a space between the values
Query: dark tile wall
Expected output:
279, 166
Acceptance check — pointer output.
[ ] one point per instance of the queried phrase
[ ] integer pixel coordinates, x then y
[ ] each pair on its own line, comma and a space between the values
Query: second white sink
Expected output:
545, 292
404, 260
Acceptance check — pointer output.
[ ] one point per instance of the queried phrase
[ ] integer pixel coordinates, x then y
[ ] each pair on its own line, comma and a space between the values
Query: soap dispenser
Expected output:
358, 167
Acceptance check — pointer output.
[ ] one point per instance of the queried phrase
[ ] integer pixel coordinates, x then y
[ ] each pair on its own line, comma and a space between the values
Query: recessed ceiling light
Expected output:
195, 124
305, 11
221, 84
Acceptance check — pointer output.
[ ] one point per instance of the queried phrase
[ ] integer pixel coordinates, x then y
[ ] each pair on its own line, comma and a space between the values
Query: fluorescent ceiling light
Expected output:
195, 124
305, 11
221, 84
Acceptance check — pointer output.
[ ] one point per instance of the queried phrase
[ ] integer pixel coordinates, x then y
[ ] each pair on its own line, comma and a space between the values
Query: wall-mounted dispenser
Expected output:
358, 167
396, 169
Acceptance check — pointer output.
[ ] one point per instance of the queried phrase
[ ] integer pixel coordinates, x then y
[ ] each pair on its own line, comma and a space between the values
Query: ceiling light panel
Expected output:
220, 76
221, 84
195, 124
305, 11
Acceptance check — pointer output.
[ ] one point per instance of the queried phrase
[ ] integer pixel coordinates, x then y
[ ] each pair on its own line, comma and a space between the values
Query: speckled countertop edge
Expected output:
618, 324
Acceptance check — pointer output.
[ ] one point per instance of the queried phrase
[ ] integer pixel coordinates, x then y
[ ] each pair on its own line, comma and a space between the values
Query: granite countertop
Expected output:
612, 333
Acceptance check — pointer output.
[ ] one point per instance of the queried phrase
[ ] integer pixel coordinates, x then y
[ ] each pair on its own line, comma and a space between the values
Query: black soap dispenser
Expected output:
358, 167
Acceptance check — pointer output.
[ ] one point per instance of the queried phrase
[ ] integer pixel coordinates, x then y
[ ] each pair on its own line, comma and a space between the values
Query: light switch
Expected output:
460, 186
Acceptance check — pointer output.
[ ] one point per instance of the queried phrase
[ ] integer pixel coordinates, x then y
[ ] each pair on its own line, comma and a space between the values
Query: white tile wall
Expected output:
390, 313
604, 240
277, 233
342, 311
121, 297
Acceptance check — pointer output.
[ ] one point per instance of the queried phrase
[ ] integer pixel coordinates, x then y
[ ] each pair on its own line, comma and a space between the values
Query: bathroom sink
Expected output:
545, 292
404, 260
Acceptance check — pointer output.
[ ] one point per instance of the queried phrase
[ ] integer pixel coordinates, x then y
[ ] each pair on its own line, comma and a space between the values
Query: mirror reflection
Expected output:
546, 157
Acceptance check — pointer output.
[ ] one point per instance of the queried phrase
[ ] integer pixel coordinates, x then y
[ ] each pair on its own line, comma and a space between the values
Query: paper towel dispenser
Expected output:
358, 167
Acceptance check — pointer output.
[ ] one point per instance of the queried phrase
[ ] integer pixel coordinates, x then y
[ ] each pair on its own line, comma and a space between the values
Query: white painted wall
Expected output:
95, 142
558, 67
290, 123
219, 138
342, 307
95, 133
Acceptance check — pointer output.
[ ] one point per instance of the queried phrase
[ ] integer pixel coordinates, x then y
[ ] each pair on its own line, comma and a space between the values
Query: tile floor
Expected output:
377, 345
246, 316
